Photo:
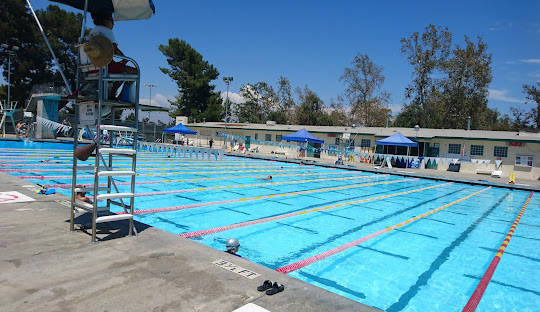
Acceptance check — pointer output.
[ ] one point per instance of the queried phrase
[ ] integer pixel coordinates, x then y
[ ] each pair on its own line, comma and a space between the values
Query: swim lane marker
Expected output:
153, 210
237, 225
305, 262
473, 302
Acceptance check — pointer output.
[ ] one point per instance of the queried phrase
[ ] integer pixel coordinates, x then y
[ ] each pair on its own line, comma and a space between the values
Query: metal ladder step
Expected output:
89, 168
128, 151
116, 173
114, 218
88, 207
90, 189
117, 128
114, 195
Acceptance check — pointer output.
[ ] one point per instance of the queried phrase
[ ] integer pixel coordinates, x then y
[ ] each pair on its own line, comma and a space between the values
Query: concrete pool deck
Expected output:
44, 267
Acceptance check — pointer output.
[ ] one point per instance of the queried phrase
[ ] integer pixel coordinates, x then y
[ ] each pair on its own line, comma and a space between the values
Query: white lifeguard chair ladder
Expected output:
106, 152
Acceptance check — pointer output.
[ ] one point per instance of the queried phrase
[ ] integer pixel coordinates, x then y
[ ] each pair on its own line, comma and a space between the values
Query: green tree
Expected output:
311, 110
260, 102
338, 115
286, 100
465, 87
426, 53
533, 95
193, 75
33, 63
368, 100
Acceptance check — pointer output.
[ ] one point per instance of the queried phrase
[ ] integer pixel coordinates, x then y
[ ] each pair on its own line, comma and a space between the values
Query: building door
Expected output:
248, 142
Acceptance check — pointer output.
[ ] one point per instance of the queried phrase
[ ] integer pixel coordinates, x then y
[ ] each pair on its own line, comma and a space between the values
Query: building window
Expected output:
338, 141
454, 148
524, 161
365, 143
256, 136
477, 150
278, 137
500, 151
435, 145
268, 137
350, 142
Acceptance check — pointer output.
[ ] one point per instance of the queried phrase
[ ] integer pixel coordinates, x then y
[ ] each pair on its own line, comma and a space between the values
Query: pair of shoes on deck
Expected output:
271, 288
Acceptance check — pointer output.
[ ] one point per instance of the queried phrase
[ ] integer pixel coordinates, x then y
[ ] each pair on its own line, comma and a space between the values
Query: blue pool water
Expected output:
433, 264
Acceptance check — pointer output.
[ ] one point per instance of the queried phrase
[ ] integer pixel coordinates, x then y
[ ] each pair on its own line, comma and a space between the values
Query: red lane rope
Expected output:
153, 210
478, 293
223, 178
237, 225
305, 262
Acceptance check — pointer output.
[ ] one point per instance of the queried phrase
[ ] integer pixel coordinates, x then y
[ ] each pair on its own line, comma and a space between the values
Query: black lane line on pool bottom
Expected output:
331, 283
524, 237
384, 252
511, 253
431, 219
414, 233
279, 202
188, 198
335, 215
237, 211
504, 284
299, 228
237, 193
331, 239
178, 226
423, 278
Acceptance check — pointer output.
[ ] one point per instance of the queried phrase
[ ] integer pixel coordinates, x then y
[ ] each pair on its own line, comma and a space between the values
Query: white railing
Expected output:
179, 150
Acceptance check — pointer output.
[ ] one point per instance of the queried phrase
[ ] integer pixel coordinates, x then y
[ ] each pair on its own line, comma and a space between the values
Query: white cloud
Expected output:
395, 108
233, 97
501, 26
157, 100
501, 95
531, 61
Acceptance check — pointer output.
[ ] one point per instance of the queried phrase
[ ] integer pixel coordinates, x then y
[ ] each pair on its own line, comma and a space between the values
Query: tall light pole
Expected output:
10, 53
228, 81
149, 85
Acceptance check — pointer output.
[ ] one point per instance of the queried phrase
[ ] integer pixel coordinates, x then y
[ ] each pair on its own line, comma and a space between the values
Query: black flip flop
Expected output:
266, 285
277, 287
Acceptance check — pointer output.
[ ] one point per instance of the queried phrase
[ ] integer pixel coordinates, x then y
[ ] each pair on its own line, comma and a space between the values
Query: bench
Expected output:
493, 173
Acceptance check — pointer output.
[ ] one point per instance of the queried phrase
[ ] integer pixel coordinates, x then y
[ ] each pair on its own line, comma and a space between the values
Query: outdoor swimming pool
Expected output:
433, 263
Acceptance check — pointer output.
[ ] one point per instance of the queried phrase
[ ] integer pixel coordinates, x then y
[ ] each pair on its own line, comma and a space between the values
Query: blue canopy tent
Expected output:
179, 128
302, 136
396, 140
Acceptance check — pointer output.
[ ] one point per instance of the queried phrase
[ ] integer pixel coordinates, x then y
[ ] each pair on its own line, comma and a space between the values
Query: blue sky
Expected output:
311, 42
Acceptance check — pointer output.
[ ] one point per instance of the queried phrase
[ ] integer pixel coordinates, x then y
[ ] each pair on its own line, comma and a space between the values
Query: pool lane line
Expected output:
238, 225
200, 189
305, 262
201, 179
68, 161
181, 207
442, 258
478, 293
138, 169
227, 178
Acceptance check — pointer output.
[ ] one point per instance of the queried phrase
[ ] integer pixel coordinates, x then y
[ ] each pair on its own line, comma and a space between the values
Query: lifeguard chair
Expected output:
7, 110
92, 111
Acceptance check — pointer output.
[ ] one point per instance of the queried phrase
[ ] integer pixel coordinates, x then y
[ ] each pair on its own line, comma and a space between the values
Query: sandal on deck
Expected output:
277, 287
266, 285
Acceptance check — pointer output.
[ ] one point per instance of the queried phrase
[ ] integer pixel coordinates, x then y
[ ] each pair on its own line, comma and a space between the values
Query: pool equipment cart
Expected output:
91, 114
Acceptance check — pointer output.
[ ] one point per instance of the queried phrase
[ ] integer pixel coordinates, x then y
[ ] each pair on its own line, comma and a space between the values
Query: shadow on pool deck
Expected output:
43, 267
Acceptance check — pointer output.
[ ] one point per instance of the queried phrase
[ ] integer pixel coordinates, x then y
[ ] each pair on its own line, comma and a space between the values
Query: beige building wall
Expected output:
514, 149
